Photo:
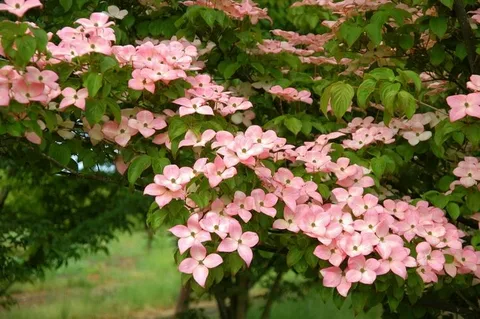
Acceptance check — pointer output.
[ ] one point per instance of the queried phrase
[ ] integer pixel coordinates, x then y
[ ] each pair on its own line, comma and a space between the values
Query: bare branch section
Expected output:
467, 34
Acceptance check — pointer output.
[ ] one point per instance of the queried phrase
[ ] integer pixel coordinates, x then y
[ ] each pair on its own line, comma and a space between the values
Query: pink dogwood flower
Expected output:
357, 244
215, 223
140, 81
474, 83
463, 105
25, 92
191, 139
120, 133
191, 234
19, 7
146, 123
241, 206
426, 257
97, 20
264, 203
174, 178
333, 277
191, 106
47, 77
427, 274
73, 97
216, 172
361, 205
288, 222
397, 262
332, 253
241, 242
163, 195
199, 264
362, 270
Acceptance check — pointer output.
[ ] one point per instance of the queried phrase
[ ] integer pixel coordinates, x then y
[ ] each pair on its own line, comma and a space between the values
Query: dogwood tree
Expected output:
337, 140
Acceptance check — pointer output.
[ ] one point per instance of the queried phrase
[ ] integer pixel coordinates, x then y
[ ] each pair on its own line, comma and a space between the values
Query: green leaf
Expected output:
107, 63
443, 184
378, 166
461, 50
388, 95
382, 74
230, 70
156, 217
359, 300
136, 168
155, 27
406, 41
437, 54
453, 210
26, 46
50, 120
473, 201
411, 77
93, 82
66, 4
325, 99
407, 103
448, 3
438, 25
294, 256
41, 38
350, 32
60, 152
293, 124
94, 110
374, 32
476, 241
158, 164
259, 67
235, 263
342, 95
209, 16
436, 198
202, 199
310, 258
364, 91
114, 109
472, 132
176, 127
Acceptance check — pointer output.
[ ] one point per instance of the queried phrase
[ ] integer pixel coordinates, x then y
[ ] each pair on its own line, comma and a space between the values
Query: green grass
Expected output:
134, 283
128, 280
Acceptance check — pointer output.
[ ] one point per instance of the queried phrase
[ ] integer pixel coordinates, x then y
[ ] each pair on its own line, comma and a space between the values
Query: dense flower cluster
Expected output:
352, 225
361, 234
291, 94
32, 85
234, 9
364, 132
468, 171
346, 5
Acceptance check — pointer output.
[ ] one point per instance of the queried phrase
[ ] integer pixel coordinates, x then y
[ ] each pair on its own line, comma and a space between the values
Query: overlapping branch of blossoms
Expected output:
361, 236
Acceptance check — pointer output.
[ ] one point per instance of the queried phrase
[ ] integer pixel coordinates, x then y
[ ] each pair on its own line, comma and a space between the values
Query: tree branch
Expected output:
467, 33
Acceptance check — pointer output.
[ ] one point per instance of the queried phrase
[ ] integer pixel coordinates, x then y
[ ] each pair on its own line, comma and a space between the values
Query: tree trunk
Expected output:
242, 298
222, 306
150, 237
183, 300
271, 296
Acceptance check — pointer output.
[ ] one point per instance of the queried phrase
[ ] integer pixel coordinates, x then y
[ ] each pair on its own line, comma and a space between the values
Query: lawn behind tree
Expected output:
132, 282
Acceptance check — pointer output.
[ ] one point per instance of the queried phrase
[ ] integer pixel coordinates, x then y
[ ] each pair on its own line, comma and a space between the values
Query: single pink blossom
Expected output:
191, 234
241, 242
199, 264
